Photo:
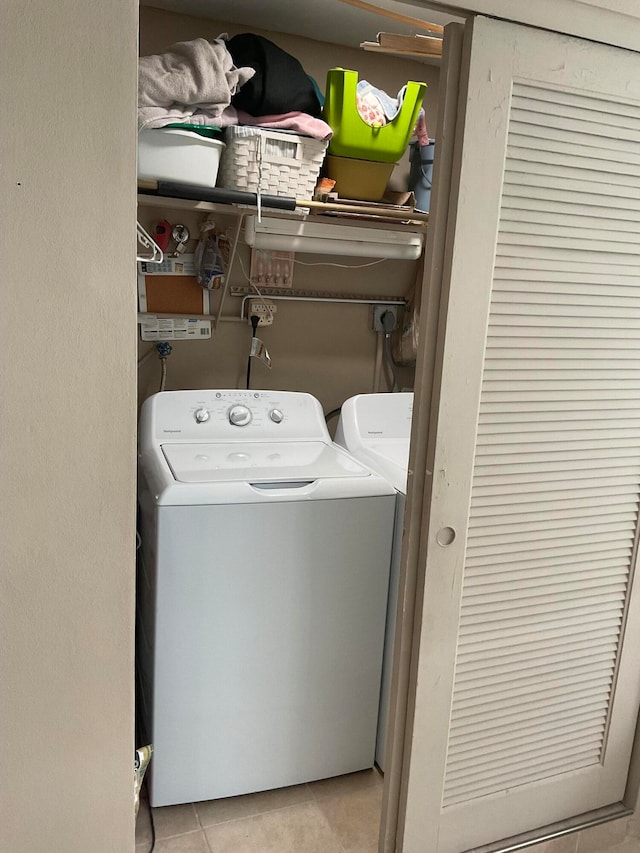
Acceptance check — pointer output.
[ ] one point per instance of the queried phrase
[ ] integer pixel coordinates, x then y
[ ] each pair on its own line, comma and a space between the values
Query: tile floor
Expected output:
338, 815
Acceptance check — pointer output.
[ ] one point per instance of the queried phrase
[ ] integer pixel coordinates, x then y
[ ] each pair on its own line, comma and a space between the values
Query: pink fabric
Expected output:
370, 109
300, 122
228, 117
421, 129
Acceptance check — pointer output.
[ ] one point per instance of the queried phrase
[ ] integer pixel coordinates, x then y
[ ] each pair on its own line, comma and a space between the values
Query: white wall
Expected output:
67, 425
609, 21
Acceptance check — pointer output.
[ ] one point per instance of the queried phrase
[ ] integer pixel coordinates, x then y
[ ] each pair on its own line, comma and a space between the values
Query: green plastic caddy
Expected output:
352, 136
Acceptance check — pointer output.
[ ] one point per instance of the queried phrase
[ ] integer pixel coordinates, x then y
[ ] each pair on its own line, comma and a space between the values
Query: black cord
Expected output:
388, 321
153, 825
332, 414
153, 830
254, 325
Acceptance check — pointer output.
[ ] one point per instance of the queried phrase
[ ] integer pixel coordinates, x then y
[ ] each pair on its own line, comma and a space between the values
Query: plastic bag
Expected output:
209, 262
140, 763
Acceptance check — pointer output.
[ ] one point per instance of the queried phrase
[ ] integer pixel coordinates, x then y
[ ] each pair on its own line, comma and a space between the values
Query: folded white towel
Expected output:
192, 81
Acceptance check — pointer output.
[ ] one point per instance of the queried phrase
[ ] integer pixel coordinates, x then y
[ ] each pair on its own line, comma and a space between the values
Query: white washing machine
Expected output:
262, 594
376, 429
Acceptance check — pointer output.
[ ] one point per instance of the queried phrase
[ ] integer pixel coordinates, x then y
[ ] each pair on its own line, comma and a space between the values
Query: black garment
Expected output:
280, 84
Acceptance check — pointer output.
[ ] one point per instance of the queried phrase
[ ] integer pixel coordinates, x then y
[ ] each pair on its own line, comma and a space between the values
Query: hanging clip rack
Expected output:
147, 242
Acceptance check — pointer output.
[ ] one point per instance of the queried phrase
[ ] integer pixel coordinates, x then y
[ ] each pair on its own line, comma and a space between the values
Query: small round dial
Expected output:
239, 415
201, 415
276, 416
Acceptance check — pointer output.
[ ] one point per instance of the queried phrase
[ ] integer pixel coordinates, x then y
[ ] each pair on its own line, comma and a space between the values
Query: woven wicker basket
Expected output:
270, 161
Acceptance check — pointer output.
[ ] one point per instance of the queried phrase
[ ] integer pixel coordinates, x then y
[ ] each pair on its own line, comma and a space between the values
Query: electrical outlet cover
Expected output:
379, 311
263, 309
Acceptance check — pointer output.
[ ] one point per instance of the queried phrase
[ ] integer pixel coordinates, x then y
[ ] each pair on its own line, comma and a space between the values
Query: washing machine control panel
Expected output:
236, 415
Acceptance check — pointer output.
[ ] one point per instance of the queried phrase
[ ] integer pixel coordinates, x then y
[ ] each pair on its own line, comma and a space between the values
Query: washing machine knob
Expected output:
239, 415
276, 416
201, 415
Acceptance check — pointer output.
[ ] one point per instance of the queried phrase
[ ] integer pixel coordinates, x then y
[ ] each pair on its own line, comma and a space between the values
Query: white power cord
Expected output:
341, 266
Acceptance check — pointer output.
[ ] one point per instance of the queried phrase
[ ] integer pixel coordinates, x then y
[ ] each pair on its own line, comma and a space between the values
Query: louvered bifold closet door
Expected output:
540, 486
556, 474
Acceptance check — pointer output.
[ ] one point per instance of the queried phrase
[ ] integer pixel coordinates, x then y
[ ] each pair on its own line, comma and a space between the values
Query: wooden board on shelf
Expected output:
417, 43
395, 16
424, 48
384, 211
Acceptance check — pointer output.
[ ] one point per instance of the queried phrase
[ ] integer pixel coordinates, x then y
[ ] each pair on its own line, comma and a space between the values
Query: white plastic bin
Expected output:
180, 156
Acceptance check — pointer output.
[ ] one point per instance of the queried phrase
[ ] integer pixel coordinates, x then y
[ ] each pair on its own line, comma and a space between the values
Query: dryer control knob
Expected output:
239, 415
201, 415
276, 416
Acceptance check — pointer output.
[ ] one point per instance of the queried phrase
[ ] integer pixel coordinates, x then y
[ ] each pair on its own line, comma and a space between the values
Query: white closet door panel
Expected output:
619, 285
541, 175
622, 150
536, 435
565, 381
531, 188
552, 258
486, 785
570, 459
531, 570
574, 169
517, 197
565, 311
573, 707
577, 644
515, 532
569, 235
534, 113
564, 151
583, 510
528, 214
485, 608
599, 573
584, 240
504, 748
477, 551
531, 616
470, 673
610, 111
534, 521
512, 766
571, 184
586, 394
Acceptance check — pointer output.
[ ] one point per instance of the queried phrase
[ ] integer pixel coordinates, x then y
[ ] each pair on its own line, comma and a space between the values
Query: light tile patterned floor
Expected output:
338, 815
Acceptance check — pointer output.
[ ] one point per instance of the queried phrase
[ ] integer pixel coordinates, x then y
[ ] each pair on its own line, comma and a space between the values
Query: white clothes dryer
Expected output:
262, 594
376, 429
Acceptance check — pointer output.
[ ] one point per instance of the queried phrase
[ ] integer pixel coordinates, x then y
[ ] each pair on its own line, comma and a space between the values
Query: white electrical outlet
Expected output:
263, 309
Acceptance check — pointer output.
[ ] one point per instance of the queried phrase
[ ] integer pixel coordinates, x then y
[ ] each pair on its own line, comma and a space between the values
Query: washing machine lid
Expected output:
390, 459
376, 430
275, 463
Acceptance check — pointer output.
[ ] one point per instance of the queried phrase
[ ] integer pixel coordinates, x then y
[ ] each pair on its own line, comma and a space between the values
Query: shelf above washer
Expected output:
366, 213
